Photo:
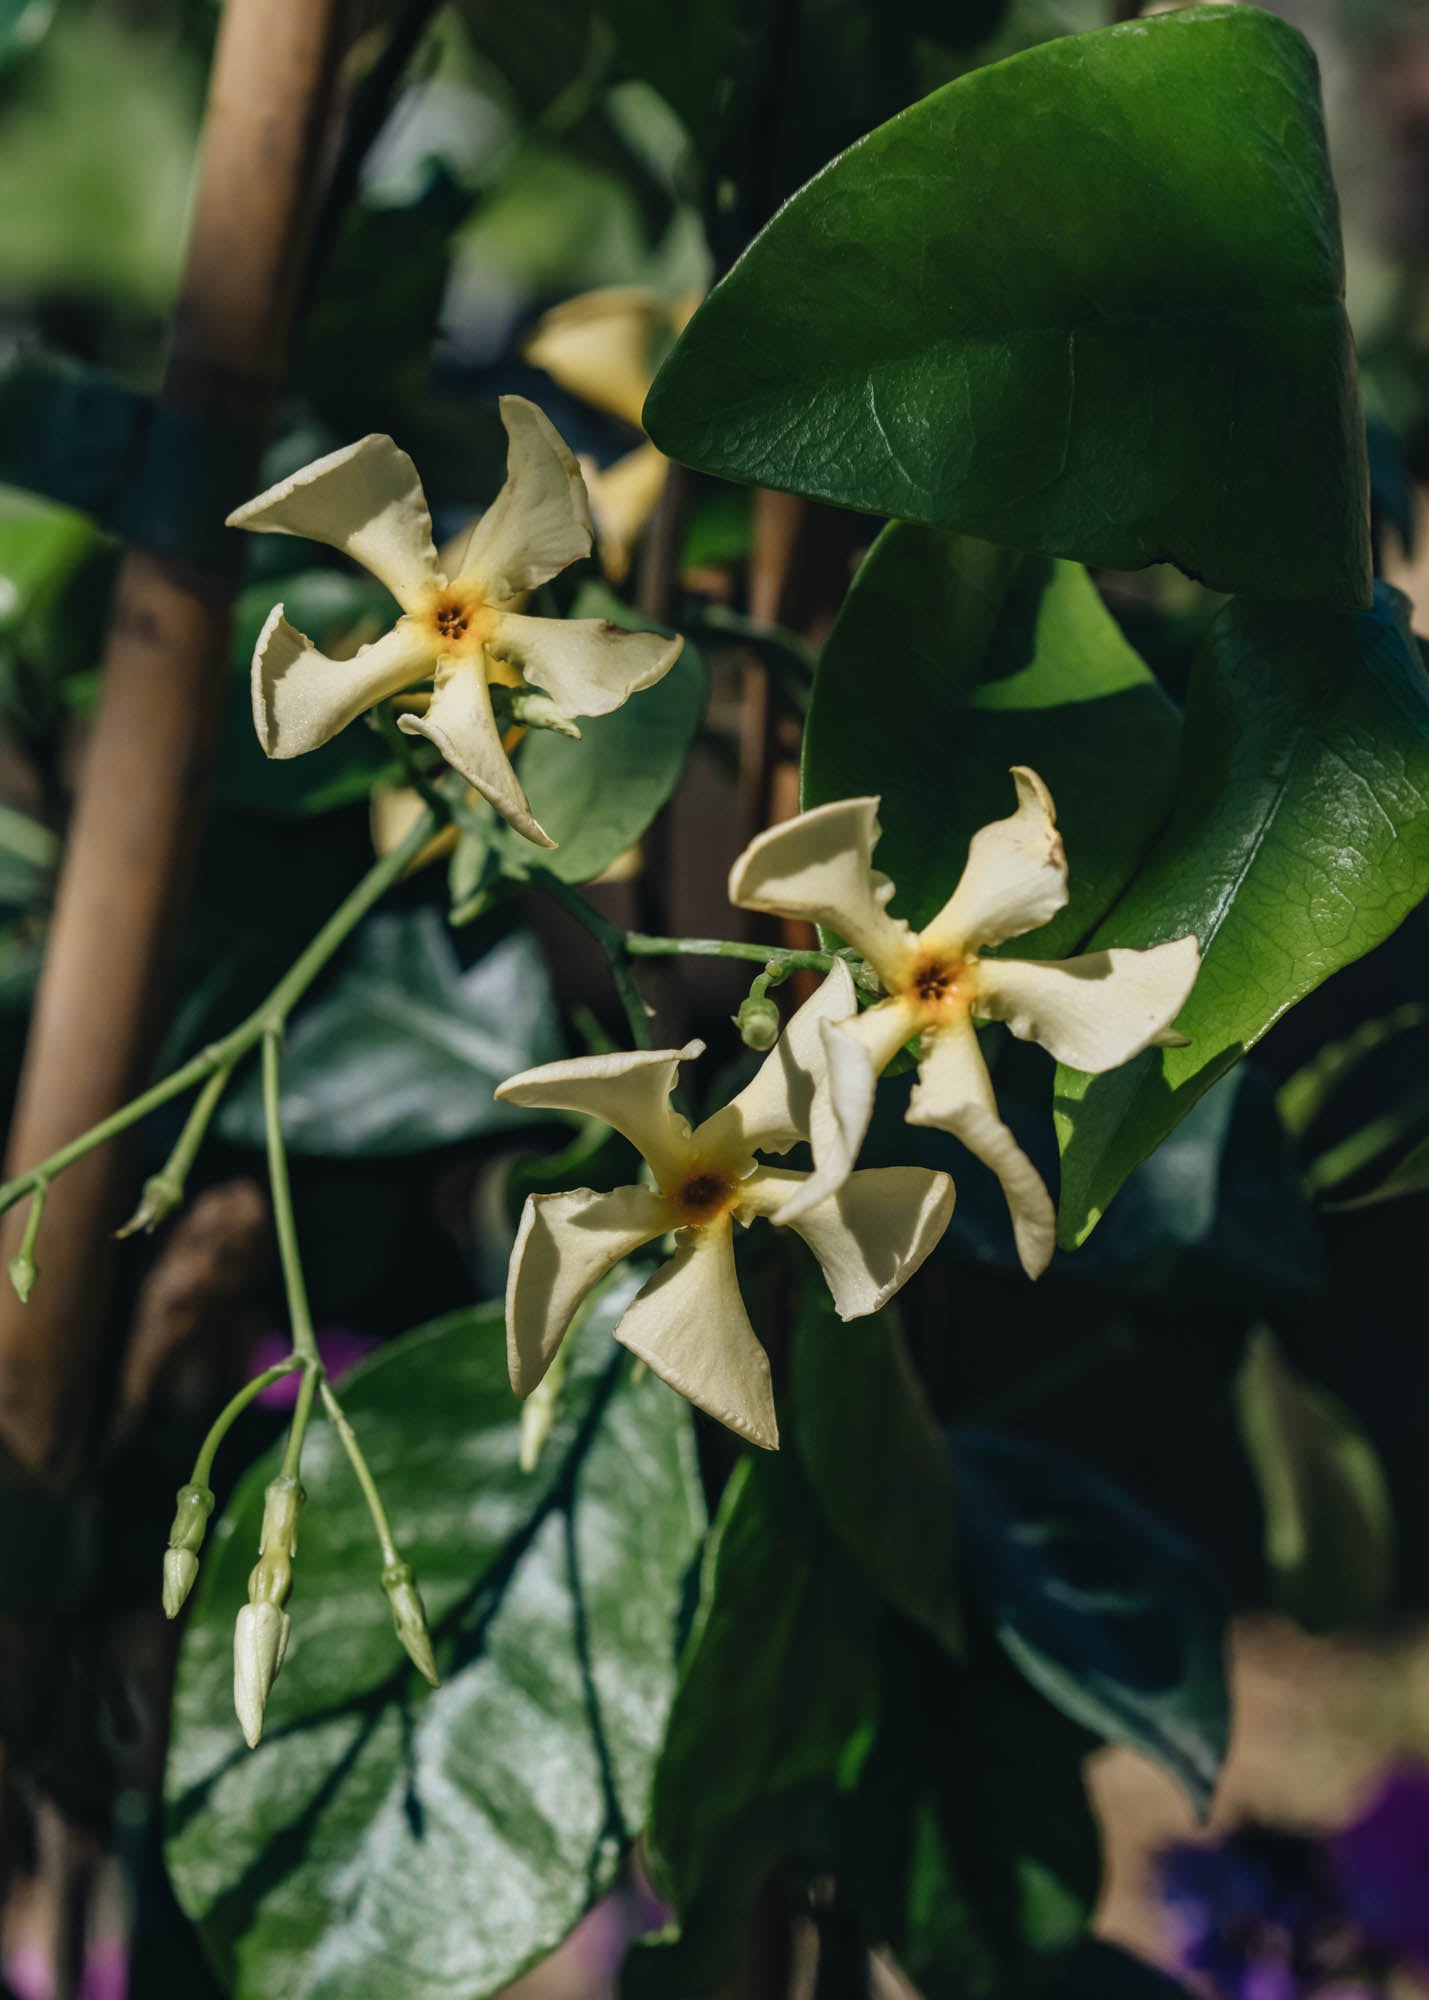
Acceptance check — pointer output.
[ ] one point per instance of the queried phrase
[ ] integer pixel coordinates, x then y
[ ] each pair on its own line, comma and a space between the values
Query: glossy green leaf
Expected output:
388, 1838
877, 1460
1088, 300
402, 1050
772, 1715
1111, 1616
1329, 1522
1298, 841
951, 660
597, 796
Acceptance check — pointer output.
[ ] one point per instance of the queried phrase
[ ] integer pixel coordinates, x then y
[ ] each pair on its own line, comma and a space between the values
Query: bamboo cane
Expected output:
128, 861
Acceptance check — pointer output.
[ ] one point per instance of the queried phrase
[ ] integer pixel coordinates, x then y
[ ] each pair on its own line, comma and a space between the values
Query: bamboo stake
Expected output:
129, 857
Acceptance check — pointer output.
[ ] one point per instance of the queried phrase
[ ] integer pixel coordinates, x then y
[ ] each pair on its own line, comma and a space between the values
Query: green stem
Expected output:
230, 1413
271, 1013
613, 941
640, 946
337, 1417
300, 1318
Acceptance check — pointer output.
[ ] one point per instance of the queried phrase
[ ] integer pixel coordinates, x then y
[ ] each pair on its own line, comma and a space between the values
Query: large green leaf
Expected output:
1298, 841
772, 1714
386, 1839
1087, 300
1110, 1615
952, 660
402, 1051
596, 797
877, 1459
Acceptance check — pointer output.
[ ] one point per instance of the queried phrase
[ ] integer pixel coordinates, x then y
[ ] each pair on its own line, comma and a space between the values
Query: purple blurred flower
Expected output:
339, 1349
106, 1972
1381, 1864
1249, 1912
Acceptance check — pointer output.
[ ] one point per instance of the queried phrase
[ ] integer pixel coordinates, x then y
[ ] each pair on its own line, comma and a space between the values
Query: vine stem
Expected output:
300, 1318
337, 1417
202, 1474
272, 1013
783, 956
613, 941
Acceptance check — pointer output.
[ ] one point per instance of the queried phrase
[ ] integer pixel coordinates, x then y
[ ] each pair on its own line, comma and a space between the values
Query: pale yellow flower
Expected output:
460, 632
689, 1323
1093, 1012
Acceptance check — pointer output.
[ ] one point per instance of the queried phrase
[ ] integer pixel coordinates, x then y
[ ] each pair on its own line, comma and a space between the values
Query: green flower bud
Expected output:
192, 1508
410, 1619
272, 1578
528, 708
23, 1274
758, 1022
160, 1197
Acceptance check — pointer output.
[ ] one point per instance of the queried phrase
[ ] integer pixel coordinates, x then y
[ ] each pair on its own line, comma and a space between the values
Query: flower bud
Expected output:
260, 1641
272, 1577
410, 1619
758, 1022
161, 1195
23, 1273
192, 1507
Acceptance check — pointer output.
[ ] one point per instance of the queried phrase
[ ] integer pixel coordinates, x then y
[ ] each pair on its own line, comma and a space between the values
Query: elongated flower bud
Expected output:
192, 1507
260, 1640
410, 1619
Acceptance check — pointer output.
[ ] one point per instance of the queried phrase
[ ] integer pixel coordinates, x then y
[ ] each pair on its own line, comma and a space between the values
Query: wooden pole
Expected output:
136, 824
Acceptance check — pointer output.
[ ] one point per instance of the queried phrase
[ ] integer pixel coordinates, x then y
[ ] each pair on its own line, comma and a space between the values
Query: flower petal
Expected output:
540, 520
772, 1112
870, 1236
629, 1091
565, 1245
586, 665
366, 500
599, 346
302, 698
459, 720
954, 1091
1015, 878
622, 499
856, 1053
690, 1326
1095, 1011
819, 866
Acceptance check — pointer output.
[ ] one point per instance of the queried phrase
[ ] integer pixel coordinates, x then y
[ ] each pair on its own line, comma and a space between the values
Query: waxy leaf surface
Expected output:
389, 1838
1088, 300
1298, 841
952, 660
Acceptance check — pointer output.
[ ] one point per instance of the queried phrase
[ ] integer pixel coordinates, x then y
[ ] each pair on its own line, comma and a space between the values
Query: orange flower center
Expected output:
702, 1197
938, 985
459, 621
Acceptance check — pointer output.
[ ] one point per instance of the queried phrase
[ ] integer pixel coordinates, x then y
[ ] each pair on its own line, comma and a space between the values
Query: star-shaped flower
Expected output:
1092, 1012
457, 632
689, 1322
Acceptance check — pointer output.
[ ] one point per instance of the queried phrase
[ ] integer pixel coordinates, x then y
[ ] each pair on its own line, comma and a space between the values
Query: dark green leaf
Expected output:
597, 796
952, 660
337, 609
419, 1844
877, 1460
1298, 841
772, 1714
686, 54
1109, 1614
1088, 300
1329, 1525
23, 23
402, 1051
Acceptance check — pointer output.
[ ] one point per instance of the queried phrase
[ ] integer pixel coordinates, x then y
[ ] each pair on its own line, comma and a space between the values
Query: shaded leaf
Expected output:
771, 1717
597, 796
1110, 1615
402, 1049
387, 1838
1088, 300
1329, 1524
952, 660
1298, 841
877, 1459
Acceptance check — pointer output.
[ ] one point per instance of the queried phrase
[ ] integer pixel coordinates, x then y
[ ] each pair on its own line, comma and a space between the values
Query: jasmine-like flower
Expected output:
689, 1323
460, 632
1092, 1012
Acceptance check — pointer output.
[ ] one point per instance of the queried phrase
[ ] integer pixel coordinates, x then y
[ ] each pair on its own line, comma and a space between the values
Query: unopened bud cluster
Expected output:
260, 1639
